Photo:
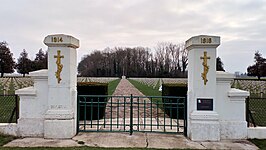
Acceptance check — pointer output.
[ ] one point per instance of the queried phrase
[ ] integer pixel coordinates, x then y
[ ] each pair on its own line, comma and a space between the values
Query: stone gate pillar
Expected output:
60, 118
202, 117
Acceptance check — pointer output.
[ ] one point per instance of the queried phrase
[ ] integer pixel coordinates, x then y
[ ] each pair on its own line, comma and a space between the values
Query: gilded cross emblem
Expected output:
205, 67
59, 66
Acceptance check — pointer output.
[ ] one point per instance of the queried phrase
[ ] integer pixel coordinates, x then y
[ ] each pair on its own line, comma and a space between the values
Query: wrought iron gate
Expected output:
102, 113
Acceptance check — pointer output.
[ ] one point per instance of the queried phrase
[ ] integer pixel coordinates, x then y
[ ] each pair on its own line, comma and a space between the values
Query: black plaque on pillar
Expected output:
205, 104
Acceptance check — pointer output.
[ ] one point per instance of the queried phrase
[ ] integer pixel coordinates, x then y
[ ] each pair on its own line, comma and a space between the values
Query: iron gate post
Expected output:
78, 113
131, 115
17, 108
185, 116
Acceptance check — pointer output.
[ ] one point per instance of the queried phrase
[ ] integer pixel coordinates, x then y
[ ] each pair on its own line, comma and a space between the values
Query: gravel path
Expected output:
125, 88
119, 104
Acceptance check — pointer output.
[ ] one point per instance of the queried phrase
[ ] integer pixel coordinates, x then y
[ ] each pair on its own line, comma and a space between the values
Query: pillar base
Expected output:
59, 124
59, 129
233, 130
204, 126
30, 127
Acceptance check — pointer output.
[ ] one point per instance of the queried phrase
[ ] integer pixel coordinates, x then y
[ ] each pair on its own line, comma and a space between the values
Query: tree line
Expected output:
167, 60
24, 65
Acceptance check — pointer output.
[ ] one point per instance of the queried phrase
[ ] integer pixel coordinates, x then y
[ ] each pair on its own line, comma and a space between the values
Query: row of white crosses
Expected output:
97, 79
21, 82
17, 82
5, 83
254, 86
250, 85
147, 81
154, 81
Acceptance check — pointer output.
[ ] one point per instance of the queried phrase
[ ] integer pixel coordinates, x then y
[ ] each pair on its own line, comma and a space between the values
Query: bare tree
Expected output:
184, 57
169, 60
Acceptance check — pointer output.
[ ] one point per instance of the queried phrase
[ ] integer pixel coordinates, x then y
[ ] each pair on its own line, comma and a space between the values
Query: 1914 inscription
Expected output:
56, 39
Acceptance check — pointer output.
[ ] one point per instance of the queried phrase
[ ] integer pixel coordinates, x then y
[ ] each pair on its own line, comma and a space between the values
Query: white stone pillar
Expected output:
60, 118
202, 118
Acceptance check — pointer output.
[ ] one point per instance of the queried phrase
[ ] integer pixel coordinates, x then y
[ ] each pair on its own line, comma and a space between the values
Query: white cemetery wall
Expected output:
231, 108
33, 106
257, 132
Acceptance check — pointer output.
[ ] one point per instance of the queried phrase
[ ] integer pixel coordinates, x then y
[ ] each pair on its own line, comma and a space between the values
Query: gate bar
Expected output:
131, 114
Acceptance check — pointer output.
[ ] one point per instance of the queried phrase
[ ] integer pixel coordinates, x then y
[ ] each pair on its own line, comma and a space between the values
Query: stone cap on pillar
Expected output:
202, 41
61, 40
238, 95
39, 74
224, 76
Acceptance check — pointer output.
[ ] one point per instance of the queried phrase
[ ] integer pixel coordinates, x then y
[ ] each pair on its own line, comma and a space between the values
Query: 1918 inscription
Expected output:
55, 39
206, 40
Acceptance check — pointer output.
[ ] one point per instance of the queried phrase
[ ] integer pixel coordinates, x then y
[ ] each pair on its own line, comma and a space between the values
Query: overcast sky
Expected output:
98, 24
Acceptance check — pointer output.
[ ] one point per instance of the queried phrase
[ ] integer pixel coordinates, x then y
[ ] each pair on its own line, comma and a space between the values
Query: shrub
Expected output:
172, 105
92, 103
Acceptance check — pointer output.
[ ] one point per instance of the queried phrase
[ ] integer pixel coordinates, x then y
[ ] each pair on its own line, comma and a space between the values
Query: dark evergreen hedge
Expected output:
92, 110
170, 105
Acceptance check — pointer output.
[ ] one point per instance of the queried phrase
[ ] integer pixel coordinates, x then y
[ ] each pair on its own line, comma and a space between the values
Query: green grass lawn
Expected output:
5, 139
260, 143
145, 89
112, 86
148, 91
169, 109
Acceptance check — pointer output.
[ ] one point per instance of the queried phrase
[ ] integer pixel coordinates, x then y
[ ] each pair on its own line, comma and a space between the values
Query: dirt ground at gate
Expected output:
137, 140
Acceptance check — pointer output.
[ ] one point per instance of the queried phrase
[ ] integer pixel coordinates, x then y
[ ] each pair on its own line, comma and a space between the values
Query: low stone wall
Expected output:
8, 128
257, 132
